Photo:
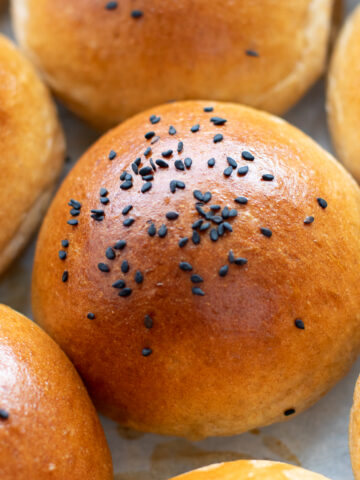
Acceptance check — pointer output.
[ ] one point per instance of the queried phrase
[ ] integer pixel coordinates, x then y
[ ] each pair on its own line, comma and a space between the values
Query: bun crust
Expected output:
237, 345
343, 96
32, 151
254, 469
107, 66
52, 429
354, 433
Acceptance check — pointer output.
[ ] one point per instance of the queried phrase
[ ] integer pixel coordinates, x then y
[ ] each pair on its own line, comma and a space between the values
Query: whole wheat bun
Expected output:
106, 65
343, 95
254, 469
32, 151
49, 428
268, 337
354, 432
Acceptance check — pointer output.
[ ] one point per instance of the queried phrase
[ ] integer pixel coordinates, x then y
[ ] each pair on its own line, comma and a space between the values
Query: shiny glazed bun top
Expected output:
111, 59
49, 428
254, 469
200, 255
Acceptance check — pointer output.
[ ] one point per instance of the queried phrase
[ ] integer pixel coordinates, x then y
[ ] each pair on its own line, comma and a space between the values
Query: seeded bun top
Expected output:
344, 94
254, 469
202, 255
32, 150
111, 59
48, 426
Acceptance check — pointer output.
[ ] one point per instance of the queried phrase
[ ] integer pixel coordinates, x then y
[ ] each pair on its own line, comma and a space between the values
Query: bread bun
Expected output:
254, 469
32, 151
48, 426
354, 433
110, 63
343, 96
273, 325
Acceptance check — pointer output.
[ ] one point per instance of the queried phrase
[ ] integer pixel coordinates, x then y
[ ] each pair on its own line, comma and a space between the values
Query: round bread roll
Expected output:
216, 294
32, 151
254, 469
110, 60
343, 96
48, 426
354, 432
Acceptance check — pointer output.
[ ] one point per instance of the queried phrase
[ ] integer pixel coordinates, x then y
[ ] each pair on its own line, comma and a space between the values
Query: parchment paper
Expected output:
316, 439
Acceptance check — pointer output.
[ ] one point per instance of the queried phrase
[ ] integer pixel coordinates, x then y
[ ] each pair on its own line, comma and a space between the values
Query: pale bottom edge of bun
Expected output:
30, 221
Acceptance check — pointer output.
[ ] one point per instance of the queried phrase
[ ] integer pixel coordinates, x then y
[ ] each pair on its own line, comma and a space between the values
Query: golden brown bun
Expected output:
354, 432
108, 66
254, 469
32, 151
233, 359
343, 97
48, 426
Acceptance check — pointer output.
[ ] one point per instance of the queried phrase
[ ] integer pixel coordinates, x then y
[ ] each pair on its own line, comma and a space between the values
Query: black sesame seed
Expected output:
221, 229
147, 178
231, 162
126, 185
91, 316
125, 266
241, 200
154, 119
98, 218
197, 224
4, 415
103, 192
243, 170
180, 147
218, 120
138, 161
65, 243
247, 156
103, 267
145, 171
138, 277
215, 208
152, 230
299, 324
172, 130
172, 215
119, 284
97, 211
198, 195
225, 213
180, 184
251, 53
218, 138
65, 276
128, 222
205, 226
195, 128
309, 220
120, 245
167, 153
322, 202
211, 162
233, 213
207, 197
208, 109
72, 222
200, 210
110, 254
123, 175
161, 163
146, 187
266, 232
128, 177
152, 164
196, 279
227, 226
216, 219
74, 212
111, 5
179, 165
185, 266
268, 177
196, 237
112, 155
75, 204
137, 14
125, 292
214, 235
148, 321
62, 255
290, 411
147, 151
149, 135
197, 291
104, 200
228, 171
188, 162
146, 352
126, 209
162, 231
231, 256
183, 242
223, 270
240, 261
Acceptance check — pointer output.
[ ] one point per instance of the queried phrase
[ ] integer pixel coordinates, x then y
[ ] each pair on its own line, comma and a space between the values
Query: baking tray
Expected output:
316, 439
